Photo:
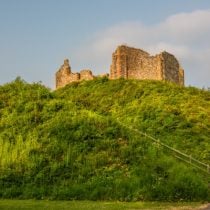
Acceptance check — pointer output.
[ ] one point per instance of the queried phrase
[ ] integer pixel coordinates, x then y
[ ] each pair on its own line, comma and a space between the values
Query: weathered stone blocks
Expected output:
64, 75
132, 63
129, 63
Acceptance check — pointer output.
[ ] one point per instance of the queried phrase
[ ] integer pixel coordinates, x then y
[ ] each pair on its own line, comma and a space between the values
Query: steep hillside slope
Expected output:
70, 143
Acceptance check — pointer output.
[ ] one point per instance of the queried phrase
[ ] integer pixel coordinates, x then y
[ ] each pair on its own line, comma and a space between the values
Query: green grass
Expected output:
70, 144
90, 205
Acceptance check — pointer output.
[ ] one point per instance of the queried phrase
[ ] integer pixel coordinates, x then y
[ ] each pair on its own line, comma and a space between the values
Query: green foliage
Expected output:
93, 205
70, 143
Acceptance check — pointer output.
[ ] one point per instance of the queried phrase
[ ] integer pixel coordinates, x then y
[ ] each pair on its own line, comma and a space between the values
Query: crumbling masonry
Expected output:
130, 63
64, 75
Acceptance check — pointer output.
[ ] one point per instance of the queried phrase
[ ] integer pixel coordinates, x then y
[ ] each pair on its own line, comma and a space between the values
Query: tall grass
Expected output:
69, 144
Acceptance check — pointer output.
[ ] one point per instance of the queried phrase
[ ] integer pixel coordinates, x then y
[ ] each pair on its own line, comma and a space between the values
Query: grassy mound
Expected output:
70, 143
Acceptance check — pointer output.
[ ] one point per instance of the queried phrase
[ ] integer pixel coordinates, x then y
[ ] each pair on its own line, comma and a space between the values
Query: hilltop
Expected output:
70, 143
129, 63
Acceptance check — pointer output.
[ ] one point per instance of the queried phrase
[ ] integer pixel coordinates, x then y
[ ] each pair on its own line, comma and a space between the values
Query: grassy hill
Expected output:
70, 143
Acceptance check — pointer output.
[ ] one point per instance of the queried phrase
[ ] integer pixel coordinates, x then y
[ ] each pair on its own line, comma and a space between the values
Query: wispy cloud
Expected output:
186, 35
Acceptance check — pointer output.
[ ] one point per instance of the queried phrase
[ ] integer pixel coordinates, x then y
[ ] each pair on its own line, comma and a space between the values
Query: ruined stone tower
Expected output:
132, 63
64, 75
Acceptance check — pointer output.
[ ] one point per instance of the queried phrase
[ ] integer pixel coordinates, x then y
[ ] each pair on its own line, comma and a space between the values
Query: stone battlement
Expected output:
129, 63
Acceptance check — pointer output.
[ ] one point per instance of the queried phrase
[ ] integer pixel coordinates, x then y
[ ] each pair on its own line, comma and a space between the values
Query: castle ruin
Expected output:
130, 63
64, 75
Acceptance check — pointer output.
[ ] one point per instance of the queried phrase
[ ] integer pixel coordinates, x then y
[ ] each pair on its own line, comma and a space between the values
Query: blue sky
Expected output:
37, 35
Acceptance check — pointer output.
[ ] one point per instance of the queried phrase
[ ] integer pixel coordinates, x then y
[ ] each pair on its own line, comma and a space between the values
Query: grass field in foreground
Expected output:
91, 205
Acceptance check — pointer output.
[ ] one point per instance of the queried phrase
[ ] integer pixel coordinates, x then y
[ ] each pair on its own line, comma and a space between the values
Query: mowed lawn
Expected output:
91, 205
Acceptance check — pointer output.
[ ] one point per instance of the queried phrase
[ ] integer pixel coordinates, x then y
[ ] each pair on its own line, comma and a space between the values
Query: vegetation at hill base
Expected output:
71, 143
95, 205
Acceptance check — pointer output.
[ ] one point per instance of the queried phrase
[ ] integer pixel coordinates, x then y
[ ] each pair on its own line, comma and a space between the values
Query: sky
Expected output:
37, 35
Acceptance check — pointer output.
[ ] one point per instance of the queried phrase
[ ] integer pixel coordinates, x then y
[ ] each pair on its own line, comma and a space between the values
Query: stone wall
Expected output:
64, 75
170, 67
132, 63
181, 76
86, 74
129, 63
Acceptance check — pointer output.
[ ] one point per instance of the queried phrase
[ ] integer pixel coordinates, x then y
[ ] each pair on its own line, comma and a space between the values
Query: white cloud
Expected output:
186, 35
188, 27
